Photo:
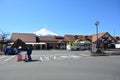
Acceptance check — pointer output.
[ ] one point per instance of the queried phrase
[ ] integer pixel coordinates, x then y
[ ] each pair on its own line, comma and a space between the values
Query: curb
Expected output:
105, 53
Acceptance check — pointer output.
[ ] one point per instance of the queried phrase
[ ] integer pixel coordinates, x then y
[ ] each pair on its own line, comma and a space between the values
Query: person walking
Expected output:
29, 52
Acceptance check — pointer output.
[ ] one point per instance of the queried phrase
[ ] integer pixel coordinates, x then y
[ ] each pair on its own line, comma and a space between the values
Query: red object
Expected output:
18, 58
25, 57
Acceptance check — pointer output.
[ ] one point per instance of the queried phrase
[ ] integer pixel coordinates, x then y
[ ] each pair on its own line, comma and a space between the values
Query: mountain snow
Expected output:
45, 32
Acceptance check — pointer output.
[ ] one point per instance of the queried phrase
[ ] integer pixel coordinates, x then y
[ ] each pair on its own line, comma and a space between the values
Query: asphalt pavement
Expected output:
60, 65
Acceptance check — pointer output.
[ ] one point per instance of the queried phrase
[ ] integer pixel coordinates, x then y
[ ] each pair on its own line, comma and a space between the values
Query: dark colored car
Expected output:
10, 51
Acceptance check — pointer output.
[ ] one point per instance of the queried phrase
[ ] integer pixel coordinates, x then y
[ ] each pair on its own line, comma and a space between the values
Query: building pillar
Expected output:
40, 46
46, 46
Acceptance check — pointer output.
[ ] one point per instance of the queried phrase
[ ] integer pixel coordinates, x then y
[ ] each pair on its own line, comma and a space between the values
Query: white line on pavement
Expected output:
9, 58
75, 57
84, 55
3, 57
41, 58
54, 57
50, 55
46, 58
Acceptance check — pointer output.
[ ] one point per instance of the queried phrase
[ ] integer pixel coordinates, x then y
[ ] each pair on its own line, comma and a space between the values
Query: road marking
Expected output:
9, 58
47, 59
84, 55
65, 57
3, 57
75, 57
54, 57
41, 58
57, 57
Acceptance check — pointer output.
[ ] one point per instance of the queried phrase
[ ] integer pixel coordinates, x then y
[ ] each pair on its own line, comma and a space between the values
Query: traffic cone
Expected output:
25, 57
18, 58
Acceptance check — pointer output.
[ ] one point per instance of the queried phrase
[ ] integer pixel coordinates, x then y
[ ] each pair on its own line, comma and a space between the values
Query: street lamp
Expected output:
96, 24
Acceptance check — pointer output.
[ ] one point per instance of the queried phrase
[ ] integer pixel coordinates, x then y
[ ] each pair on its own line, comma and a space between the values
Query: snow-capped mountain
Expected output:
45, 32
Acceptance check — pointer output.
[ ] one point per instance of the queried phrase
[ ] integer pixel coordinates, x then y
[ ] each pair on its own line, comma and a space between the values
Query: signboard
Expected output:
117, 45
68, 47
94, 49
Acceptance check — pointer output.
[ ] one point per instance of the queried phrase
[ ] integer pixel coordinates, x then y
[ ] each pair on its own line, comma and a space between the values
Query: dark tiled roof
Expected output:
46, 39
26, 37
100, 35
51, 38
73, 38
69, 38
18, 43
94, 37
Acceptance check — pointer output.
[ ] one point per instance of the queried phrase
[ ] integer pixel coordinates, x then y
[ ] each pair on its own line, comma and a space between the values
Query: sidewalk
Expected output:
112, 52
108, 52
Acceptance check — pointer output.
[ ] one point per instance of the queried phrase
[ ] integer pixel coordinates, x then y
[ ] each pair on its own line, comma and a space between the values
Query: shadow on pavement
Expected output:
33, 61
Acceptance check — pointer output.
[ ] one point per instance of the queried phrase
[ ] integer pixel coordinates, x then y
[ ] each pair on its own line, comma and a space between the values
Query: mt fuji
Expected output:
45, 32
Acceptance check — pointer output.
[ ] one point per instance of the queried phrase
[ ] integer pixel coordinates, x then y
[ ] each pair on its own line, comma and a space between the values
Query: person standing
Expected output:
29, 52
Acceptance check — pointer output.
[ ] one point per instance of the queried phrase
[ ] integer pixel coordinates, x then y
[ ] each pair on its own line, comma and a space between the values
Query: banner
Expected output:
94, 49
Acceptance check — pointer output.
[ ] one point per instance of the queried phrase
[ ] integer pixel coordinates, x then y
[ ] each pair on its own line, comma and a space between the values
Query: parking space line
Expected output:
41, 58
2, 57
9, 58
54, 57
84, 55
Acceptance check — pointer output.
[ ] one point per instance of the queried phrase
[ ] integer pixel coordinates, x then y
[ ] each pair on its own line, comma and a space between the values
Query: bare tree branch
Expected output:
4, 35
3, 38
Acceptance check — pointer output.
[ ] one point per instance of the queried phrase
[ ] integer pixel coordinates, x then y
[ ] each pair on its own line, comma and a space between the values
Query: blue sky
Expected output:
60, 16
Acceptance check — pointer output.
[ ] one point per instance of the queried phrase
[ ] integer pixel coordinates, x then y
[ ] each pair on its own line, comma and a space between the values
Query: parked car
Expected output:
10, 51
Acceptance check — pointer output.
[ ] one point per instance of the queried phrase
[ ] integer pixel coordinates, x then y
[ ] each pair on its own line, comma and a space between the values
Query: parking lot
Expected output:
60, 65
46, 55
